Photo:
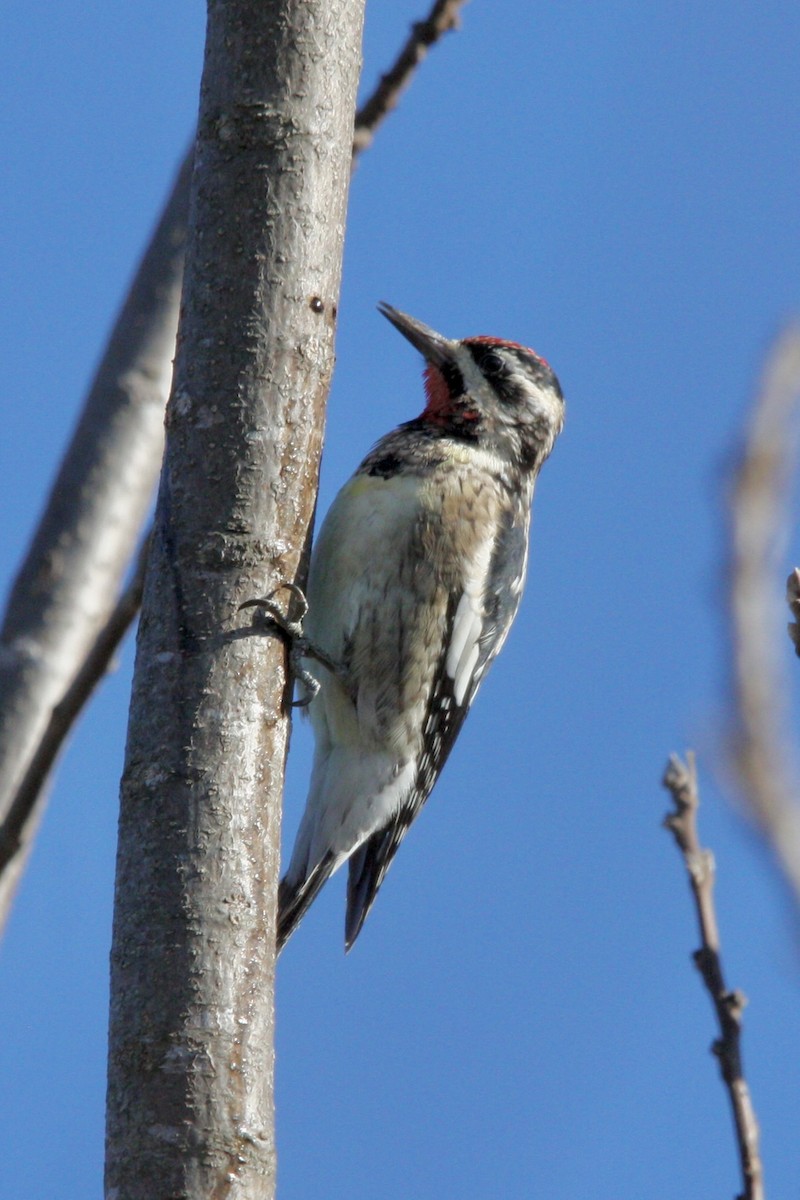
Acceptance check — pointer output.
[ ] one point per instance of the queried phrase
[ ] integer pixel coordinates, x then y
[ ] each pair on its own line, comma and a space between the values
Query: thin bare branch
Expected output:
69, 583
66, 712
680, 779
443, 16
760, 743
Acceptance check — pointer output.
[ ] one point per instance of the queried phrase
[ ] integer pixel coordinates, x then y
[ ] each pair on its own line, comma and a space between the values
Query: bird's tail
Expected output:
295, 898
367, 871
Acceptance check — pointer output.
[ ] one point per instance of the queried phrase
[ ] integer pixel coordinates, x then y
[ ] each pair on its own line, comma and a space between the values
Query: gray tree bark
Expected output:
190, 1109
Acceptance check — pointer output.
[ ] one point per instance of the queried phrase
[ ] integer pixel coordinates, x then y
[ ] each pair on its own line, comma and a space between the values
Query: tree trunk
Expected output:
190, 1111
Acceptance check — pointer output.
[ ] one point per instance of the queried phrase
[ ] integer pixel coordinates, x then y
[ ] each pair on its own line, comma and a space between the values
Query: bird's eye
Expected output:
492, 361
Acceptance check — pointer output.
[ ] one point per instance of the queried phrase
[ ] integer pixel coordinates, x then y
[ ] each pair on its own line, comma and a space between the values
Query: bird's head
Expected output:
484, 389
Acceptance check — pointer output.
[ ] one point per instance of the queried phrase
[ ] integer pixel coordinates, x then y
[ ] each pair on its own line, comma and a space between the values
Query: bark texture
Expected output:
71, 577
190, 1111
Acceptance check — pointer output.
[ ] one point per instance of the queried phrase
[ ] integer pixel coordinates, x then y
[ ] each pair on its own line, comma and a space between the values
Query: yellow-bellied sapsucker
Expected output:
415, 578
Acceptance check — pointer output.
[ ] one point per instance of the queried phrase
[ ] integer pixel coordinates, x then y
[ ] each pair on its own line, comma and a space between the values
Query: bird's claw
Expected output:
291, 626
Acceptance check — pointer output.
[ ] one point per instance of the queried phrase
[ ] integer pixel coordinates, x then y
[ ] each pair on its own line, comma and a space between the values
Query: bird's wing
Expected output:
478, 619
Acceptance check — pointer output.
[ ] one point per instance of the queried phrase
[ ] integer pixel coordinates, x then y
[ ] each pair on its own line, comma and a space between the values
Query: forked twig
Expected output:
442, 17
680, 779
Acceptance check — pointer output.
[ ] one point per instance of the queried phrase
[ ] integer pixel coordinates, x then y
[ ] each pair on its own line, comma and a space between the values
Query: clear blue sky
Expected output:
617, 185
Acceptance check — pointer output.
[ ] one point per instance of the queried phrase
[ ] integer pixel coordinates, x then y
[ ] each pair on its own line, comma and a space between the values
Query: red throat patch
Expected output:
442, 407
437, 391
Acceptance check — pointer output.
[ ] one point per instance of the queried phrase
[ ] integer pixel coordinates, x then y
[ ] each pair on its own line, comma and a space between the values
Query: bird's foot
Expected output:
290, 626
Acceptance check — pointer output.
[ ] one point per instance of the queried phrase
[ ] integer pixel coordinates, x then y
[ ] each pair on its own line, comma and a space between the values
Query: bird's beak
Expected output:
435, 348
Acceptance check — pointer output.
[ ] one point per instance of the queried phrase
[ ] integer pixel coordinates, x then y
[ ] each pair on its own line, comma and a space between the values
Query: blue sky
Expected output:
616, 185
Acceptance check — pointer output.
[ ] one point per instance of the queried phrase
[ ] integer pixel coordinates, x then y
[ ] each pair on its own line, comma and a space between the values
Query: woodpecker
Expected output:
414, 580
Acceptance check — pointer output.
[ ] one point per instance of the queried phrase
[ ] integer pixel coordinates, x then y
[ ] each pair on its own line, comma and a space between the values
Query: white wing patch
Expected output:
465, 635
462, 653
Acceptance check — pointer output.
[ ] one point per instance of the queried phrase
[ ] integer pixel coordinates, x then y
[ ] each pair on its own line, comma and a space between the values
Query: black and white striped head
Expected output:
497, 393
